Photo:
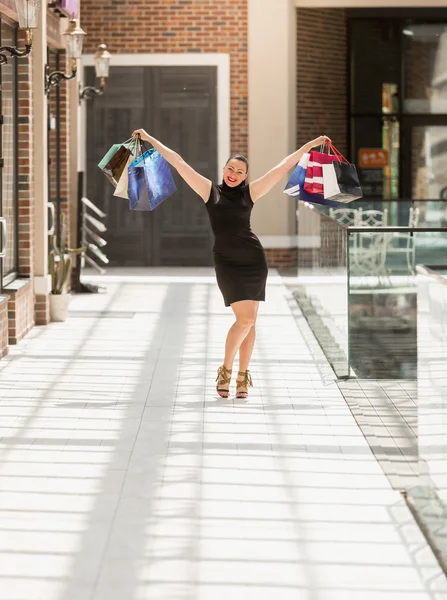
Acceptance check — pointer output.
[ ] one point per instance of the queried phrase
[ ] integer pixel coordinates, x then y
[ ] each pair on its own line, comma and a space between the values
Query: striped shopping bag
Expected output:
313, 183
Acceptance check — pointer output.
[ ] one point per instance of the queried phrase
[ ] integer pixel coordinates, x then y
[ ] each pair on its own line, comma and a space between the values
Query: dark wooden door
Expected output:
178, 106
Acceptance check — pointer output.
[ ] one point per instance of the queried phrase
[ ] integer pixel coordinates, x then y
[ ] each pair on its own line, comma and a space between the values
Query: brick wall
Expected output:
163, 26
25, 173
22, 303
3, 325
322, 97
20, 310
59, 196
281, 257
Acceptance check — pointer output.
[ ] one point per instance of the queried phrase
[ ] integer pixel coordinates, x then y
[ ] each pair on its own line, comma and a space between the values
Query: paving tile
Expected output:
123, 475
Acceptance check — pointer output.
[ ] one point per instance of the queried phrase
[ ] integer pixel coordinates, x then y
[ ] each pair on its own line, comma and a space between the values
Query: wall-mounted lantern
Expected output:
74, 38
102, 67
28, 13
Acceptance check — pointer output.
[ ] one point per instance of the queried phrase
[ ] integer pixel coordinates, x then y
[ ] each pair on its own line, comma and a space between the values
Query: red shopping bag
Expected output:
313, 184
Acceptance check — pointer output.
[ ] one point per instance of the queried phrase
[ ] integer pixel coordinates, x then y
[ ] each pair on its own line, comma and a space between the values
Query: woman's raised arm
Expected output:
201, 185
264, 184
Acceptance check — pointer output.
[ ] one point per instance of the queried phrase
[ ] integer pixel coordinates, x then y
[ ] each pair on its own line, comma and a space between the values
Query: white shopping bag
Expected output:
121, 189
330, 183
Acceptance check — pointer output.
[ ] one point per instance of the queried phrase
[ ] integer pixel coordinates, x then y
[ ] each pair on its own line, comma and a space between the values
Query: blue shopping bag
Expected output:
150, 181
295, 185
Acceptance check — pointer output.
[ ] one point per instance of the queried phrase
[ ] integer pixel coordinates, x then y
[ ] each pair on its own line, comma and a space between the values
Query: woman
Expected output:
239, 258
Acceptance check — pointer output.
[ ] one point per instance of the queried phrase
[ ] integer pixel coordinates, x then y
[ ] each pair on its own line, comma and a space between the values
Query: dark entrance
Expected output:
398, 102
178, 106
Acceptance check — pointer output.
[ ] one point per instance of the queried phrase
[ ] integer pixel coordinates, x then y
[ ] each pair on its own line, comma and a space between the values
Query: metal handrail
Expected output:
4, 236
51, 206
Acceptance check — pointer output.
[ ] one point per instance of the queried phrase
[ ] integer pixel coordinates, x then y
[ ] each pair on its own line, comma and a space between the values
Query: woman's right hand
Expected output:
142, 133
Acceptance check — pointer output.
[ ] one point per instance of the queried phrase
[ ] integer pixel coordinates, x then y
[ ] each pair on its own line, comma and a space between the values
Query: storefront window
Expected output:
8, 172
425, 68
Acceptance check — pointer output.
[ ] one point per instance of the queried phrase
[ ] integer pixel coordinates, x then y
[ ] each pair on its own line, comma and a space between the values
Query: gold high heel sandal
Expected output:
245, 383
223, 378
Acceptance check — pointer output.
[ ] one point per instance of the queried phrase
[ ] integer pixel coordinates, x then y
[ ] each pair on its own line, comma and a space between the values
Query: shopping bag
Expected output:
296, 181
115, 161
295, 185
340, 180
150, 181
313, 183
122, 188
142, 156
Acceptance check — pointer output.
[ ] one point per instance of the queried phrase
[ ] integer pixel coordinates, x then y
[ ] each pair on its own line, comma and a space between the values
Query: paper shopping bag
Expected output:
295, 185
296, 181
341, 183
115, 161
314, 175
123, 183
150, 182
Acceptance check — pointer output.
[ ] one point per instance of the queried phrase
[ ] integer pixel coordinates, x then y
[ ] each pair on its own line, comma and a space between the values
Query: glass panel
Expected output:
320, 284
9, 145
425, 64
432, 380
375, 60
371, 135
382, 299
365, 308
429, 158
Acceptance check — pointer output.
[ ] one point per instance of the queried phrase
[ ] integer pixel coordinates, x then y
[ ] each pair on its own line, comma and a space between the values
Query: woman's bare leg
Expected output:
246, 350
245, 313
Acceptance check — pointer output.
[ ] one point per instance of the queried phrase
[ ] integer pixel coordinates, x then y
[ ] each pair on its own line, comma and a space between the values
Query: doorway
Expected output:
178, 106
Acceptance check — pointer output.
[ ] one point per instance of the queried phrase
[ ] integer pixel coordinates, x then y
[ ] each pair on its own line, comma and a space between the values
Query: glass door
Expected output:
424, 165
8, 161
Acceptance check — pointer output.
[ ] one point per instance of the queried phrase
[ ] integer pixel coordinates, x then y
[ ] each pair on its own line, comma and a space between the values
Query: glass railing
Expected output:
429, 496
356, 281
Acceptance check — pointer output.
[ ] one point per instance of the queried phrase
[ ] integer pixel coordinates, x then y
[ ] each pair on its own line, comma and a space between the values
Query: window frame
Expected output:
7, 278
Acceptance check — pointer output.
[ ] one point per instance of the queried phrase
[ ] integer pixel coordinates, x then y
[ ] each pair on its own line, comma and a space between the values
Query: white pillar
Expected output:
272, 109
40, 155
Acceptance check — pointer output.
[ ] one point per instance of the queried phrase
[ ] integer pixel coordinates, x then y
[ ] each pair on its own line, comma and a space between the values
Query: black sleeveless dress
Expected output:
239, 258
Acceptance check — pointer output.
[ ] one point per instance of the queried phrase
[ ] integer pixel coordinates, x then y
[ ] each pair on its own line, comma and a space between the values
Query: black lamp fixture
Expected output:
28, 13
102, 67
74, 38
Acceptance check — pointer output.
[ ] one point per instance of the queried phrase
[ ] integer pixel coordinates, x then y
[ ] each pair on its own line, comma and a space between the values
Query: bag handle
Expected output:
326, 145
338, 154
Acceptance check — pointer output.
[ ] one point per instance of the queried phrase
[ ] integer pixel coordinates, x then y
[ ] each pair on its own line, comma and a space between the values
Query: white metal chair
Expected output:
408, 247
369, 249
346, 216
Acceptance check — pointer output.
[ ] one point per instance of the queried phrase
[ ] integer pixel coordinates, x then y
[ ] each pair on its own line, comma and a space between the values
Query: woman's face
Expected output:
235, 172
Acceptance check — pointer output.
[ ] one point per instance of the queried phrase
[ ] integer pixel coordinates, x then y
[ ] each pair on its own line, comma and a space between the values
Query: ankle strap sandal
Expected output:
245, 383
223, 378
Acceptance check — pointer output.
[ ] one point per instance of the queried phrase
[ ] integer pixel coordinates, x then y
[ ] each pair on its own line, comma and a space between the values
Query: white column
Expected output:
42, 281
272, 109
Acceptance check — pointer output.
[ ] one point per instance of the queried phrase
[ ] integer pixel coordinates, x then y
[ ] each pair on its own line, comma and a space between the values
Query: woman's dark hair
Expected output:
238, 157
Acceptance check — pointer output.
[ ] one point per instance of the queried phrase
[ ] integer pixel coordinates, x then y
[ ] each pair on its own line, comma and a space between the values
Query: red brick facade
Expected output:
281, 257
322, 93
4, 347
25, 174
20, 309
59, 97
21, 304
163, 26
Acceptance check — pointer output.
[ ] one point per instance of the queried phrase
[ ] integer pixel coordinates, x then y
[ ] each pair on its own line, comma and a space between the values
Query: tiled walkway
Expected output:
123, 477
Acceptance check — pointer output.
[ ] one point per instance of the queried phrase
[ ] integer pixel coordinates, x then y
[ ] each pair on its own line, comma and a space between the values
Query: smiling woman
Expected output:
236, 169
239, 258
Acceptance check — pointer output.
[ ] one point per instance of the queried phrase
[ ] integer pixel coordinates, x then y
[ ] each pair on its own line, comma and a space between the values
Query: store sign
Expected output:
71, 7
373, 158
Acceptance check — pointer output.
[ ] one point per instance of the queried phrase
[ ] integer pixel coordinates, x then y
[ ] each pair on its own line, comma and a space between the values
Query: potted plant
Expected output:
59, 266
